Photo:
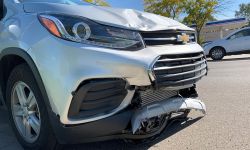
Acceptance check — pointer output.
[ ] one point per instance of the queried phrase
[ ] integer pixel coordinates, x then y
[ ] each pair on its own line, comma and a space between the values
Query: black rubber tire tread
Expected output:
222, 49
46, 139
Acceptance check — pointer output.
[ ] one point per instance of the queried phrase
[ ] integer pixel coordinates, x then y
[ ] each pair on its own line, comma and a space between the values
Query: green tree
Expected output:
98, 2
212, 18
167, 8
244, 11
199, 12
196, 12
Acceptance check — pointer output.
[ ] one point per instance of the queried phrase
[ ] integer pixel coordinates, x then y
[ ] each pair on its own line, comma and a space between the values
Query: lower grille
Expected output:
97, 97
151, 96
180, 70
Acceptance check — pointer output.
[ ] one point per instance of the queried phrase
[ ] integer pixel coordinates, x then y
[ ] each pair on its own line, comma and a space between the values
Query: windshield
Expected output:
70, 2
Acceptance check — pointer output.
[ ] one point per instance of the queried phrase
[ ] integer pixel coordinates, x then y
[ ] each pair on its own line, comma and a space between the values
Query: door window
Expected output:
240, 34
247, 33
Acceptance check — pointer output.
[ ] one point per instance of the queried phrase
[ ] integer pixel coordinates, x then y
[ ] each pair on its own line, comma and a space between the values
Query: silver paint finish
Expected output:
125, 18
63, 65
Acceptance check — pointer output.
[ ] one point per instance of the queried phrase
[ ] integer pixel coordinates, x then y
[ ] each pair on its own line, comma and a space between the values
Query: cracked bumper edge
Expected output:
165, 107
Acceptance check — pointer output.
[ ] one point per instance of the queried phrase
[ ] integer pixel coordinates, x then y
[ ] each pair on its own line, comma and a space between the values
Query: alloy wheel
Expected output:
217, 53
25, 112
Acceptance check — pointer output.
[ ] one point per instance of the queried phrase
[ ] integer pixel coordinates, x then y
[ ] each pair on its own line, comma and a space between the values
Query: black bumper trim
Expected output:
97, 96
92, 131
114, 127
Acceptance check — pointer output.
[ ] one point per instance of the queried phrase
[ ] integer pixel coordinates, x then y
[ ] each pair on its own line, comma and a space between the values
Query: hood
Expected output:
124, 18
217, 41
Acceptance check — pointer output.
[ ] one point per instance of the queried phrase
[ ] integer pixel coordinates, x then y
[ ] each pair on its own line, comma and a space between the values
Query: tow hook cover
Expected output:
165, 107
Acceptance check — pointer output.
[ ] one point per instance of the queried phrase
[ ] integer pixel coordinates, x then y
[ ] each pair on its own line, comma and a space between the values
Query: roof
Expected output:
226, 21
223, 22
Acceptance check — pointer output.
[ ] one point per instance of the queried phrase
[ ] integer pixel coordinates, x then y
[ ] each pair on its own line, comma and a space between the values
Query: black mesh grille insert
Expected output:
151, 96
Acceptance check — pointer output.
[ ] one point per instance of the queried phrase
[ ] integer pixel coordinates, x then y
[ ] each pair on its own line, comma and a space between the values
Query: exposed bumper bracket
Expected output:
165, 107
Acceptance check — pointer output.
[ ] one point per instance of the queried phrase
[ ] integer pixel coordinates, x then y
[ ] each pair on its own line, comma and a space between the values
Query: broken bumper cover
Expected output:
165, 107
118, 126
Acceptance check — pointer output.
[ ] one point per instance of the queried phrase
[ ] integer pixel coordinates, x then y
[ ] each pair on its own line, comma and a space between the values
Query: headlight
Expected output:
85, 31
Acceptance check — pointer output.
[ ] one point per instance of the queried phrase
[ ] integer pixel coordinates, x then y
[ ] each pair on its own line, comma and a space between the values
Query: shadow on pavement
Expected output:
7, 137
175, 127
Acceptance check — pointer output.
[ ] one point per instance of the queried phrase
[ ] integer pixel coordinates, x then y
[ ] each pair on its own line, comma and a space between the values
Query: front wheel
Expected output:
27, 110
217, 53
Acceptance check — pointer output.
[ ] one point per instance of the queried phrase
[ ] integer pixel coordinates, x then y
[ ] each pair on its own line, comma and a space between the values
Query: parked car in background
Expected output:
237, 42
71, 72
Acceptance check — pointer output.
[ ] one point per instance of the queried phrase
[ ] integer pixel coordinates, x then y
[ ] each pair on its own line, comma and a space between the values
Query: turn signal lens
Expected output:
51, 26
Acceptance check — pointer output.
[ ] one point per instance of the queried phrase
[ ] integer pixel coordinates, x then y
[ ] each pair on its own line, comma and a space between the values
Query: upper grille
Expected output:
180, 70
166, 37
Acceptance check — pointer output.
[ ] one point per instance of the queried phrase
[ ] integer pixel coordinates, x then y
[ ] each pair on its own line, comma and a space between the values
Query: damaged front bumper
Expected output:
128, 124
175, 104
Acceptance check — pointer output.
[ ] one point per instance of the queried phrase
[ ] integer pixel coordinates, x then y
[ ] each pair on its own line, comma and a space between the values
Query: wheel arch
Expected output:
10, 58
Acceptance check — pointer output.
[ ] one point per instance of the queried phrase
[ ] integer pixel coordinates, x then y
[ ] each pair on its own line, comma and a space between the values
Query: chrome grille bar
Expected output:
185, 80
181, 66
182, 73
160, 39
179, 59
180, 70
167, 37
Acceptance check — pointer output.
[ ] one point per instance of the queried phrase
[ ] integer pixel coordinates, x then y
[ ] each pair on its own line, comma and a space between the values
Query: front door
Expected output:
239, 41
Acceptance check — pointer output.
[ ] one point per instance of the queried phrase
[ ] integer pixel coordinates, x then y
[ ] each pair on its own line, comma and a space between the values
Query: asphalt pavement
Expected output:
226, 92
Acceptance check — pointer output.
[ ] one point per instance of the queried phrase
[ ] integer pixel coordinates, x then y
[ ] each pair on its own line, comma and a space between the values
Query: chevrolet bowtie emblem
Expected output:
183, 38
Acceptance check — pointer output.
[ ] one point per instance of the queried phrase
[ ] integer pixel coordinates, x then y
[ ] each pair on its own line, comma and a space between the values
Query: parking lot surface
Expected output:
226, 92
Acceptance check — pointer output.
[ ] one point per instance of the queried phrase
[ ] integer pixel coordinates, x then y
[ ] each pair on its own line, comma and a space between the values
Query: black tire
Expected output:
45, 139
217, 53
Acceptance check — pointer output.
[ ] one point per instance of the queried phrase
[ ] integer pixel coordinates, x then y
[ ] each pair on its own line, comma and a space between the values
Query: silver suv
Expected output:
72, 72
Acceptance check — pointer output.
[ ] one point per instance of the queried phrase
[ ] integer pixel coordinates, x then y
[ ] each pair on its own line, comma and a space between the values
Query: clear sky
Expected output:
230, 9
228, 13
134, 4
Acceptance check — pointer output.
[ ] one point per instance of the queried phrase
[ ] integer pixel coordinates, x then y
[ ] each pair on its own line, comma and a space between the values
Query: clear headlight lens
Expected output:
85, 31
